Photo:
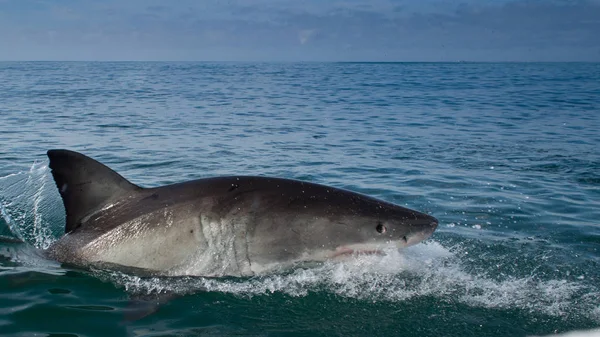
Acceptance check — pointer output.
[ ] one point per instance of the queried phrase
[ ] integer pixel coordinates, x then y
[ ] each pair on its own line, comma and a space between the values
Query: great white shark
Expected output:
231, 225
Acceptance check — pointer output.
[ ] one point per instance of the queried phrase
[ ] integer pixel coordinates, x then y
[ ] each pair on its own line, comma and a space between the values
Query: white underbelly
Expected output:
202, 246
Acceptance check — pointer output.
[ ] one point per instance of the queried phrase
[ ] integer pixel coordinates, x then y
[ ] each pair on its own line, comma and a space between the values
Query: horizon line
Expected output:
297, 61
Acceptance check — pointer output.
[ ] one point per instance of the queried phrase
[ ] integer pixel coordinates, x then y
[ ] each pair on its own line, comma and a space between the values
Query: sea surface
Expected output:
505, 155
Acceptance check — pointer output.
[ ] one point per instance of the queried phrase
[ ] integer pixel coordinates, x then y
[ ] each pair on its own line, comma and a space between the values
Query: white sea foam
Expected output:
580, 333
428, 269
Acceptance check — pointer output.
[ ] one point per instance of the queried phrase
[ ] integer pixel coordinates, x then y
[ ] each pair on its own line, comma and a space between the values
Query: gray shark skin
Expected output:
222, 226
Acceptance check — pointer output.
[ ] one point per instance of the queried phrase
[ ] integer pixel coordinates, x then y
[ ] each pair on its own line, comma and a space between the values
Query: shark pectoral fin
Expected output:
85, 185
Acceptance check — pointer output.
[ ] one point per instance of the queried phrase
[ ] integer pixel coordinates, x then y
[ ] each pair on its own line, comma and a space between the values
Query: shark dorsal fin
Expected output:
85, 185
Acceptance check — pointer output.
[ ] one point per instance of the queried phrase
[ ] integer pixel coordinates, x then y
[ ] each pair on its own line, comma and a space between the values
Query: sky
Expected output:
300, 30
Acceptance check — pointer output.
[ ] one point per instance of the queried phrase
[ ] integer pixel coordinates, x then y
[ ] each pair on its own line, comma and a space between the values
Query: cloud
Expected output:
305, 35
308, 30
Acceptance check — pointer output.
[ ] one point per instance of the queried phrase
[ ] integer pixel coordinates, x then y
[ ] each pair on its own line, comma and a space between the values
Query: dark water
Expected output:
506, 156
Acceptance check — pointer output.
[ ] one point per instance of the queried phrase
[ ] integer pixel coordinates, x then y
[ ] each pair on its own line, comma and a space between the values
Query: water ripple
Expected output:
505, 155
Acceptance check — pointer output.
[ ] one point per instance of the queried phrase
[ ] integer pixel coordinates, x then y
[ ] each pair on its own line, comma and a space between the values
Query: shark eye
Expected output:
380, 228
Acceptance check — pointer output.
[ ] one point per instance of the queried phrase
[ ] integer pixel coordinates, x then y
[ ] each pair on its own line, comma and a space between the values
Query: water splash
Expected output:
26, 208
578, 333
426, 270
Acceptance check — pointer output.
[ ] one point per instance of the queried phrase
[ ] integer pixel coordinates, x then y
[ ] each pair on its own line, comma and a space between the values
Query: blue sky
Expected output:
301, 30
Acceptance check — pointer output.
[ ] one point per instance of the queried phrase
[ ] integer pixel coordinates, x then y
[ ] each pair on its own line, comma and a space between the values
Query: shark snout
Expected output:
433, 224
430, 226
424, 229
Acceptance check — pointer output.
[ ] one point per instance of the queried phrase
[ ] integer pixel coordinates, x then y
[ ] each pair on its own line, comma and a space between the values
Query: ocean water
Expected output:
505, 155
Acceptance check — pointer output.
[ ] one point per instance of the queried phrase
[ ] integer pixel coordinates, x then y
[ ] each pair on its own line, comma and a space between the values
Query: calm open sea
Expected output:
506, 156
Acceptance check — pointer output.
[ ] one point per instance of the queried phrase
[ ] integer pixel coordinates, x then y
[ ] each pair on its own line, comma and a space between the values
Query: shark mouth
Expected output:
349, 251
368, 248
